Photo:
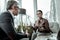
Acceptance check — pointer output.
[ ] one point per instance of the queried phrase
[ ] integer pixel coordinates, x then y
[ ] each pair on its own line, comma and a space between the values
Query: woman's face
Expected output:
39, 14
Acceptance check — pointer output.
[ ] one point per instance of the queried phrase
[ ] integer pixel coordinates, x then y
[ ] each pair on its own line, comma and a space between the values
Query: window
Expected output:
44, 5
29, 6
2, 5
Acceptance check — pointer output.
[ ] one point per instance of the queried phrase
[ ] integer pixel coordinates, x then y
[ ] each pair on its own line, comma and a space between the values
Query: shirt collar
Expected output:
11, 13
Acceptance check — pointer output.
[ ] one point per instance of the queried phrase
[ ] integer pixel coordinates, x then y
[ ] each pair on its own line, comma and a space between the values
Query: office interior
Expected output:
51, 12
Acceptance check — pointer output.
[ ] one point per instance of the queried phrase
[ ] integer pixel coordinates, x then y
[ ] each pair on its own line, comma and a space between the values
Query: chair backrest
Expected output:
54, 26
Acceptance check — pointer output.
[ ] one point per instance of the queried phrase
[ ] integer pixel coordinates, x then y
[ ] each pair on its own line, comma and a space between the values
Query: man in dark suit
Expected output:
7, 23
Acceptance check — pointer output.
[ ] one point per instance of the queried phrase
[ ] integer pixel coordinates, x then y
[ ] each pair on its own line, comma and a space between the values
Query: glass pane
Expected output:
2, 7
28, 5
44, 5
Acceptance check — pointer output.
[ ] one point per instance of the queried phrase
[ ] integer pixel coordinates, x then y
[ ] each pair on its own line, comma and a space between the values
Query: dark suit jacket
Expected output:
58, 35
7, 25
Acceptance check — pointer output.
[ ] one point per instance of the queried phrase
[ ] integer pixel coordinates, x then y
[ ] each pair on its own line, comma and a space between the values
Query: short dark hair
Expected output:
10, 4
39, 11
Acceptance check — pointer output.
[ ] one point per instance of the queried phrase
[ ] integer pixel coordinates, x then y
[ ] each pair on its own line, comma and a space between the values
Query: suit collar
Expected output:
11, 13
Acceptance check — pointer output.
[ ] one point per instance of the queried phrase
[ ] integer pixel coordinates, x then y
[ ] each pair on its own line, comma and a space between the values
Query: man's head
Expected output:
12, 5
39, 13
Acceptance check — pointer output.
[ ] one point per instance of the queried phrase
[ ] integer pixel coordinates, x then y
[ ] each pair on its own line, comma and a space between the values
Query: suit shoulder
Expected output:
5, 14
